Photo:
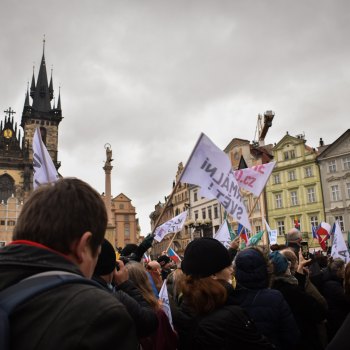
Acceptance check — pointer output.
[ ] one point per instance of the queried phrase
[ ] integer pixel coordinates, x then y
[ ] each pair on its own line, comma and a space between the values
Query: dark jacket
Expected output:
141, 312
228, 327
73, 316
307, 311
271, 314
338, 304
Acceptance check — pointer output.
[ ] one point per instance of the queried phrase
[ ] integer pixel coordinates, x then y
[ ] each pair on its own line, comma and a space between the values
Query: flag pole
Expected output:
172, 240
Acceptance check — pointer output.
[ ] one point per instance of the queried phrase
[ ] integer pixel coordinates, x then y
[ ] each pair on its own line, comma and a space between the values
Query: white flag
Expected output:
254, 179
223, 234
210, 168
44, 169
272, 233
171, 226
163, 296
339, 248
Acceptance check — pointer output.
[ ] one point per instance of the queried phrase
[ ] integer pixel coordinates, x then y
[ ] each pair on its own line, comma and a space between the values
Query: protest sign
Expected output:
339, 248
171, 226
210, 168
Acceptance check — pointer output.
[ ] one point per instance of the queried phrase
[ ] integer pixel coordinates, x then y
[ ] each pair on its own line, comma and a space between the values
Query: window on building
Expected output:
257, 206
294, 198
335, 193
11, 223
121, 206
286, 155
291, 175
2, 222
7, 187
209, 213
278, 200
126, 218
195, 196
346, 163
311, 195
280, 227
276, 179
308, 171
196, 215
348, 189
292, 154
332, 166
340, 219
204, 213
216, 212
313, 221
257, 228
127, 230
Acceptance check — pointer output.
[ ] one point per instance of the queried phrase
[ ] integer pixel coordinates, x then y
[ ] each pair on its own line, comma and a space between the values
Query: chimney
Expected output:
321, 142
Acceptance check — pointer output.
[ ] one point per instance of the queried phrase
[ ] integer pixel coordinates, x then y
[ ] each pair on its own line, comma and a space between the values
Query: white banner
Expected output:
44, 169
254, 179
339, 248
163, 296
272, 233
223, 234
210, 168
171, 226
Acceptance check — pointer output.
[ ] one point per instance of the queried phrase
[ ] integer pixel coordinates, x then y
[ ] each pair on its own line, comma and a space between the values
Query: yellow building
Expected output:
124, 219
294, 189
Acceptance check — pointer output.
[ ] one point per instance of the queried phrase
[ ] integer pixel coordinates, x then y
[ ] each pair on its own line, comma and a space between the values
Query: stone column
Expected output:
110, 231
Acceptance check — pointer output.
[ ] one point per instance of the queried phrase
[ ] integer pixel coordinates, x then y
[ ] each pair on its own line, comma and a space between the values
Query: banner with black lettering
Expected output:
210, 168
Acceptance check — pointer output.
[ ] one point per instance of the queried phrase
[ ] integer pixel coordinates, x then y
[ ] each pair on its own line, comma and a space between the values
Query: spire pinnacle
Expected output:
26, 102
51, 86
32, 86
59, 99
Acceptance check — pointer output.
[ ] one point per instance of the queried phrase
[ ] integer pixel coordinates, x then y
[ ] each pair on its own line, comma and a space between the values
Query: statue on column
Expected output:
108, 155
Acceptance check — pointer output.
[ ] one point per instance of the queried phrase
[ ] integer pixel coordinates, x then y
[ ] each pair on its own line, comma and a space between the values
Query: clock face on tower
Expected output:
8, 133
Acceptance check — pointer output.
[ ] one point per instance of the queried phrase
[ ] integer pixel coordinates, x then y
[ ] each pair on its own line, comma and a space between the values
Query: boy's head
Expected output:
59, 214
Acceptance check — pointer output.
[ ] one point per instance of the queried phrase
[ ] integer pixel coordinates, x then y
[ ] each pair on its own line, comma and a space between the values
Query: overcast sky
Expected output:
149, 76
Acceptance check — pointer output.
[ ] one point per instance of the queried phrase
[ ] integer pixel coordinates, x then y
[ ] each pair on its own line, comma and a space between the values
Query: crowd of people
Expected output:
254, 298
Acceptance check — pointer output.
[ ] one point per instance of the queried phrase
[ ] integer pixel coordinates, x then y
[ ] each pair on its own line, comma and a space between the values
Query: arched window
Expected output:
7, 187
43, 133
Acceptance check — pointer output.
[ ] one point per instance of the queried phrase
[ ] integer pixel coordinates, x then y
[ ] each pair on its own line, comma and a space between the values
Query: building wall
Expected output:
126, 224
9, 213
334, 165
294, 188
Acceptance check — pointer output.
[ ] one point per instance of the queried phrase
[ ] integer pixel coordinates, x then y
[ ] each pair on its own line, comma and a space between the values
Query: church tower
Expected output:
43, 113
16, 154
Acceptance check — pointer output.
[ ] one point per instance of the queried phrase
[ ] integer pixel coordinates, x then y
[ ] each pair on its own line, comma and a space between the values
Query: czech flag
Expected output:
173, 256
296, 223
323, 233
243, 233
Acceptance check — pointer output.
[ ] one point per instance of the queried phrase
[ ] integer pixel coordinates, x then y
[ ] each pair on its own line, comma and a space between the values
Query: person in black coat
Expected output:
333, 290
206, 319
307, 311
267, 307
118, 283
59, 231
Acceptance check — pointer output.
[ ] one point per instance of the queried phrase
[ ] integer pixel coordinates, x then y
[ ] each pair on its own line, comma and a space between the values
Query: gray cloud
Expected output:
149, 76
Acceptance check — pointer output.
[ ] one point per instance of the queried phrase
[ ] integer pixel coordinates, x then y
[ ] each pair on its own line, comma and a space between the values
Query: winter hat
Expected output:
279, 261
251, 269
204, 257
106, 259
129, 249
163, 260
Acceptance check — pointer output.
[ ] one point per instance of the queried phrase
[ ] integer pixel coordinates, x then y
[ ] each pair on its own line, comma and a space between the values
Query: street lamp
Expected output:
199, 225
